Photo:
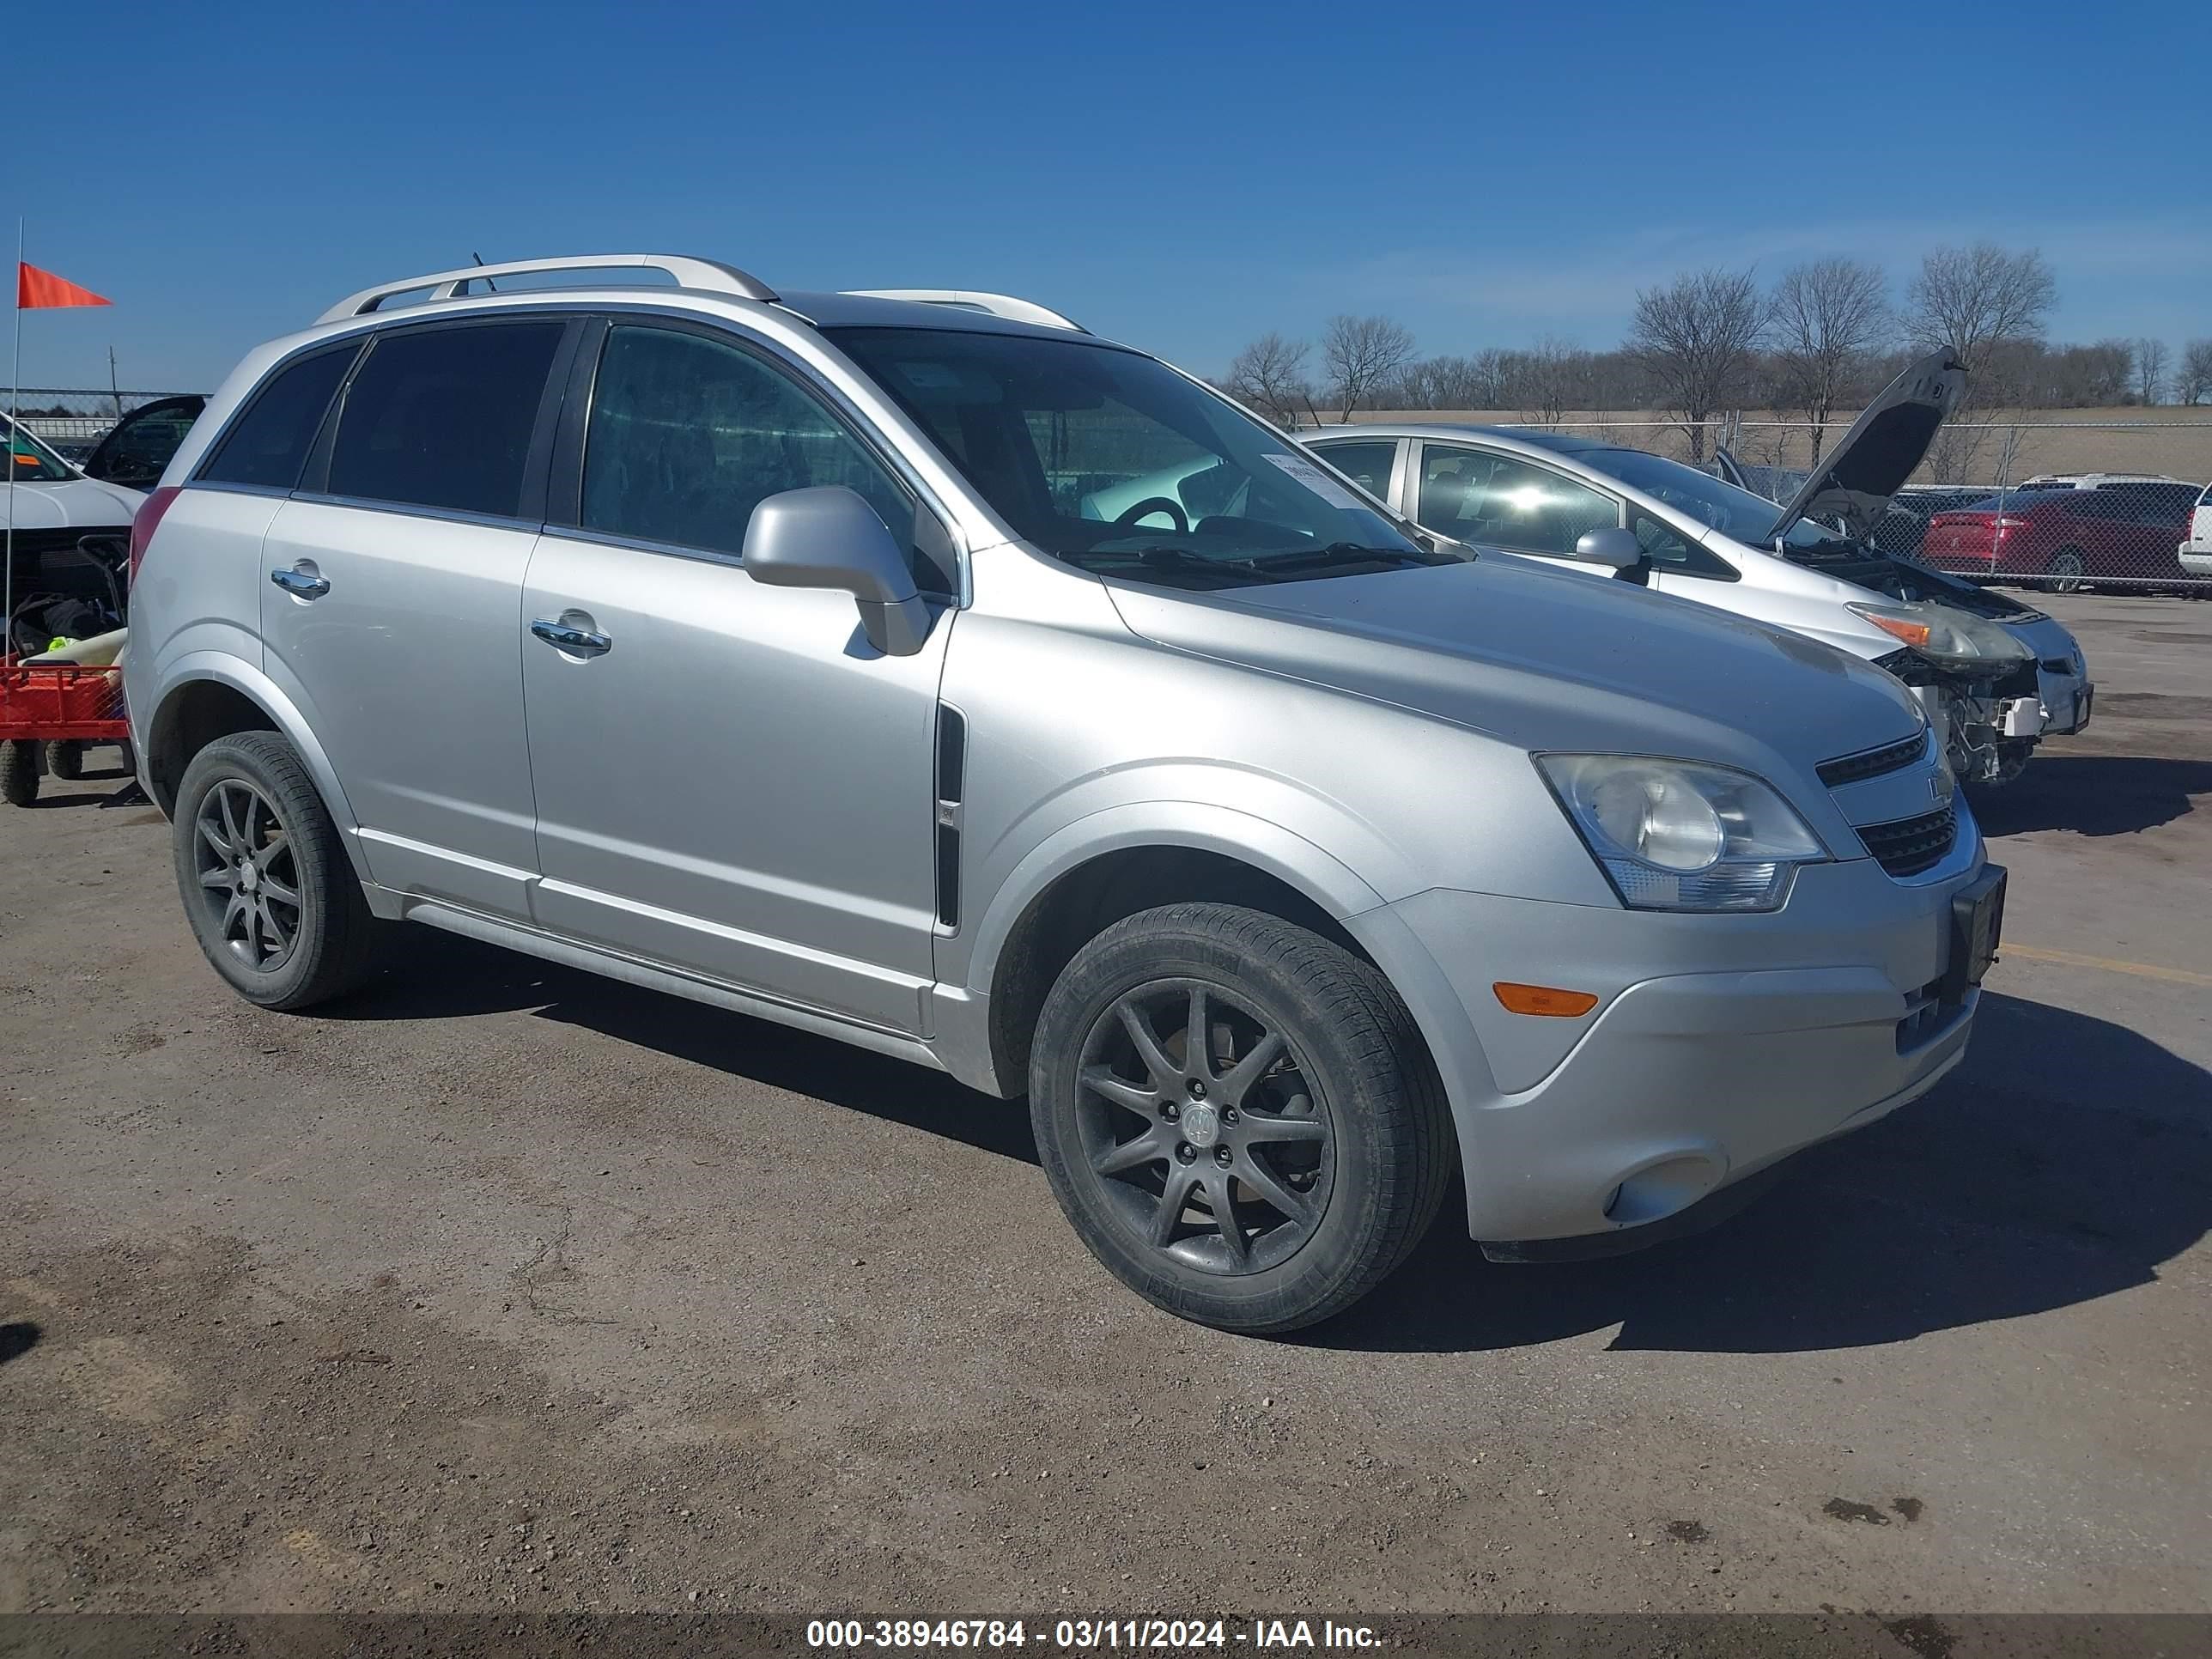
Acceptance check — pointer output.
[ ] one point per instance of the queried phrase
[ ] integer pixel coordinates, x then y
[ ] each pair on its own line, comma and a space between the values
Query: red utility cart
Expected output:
48, 712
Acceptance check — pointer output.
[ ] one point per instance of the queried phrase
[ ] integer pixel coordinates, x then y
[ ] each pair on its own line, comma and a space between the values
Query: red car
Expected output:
2064, 537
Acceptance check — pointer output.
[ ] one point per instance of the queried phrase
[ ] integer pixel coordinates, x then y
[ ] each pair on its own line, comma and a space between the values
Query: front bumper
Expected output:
1721, 1044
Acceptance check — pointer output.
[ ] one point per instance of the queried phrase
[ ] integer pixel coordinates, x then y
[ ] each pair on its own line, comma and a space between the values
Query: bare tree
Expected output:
1270, 375
1361, 356
2075, 376
1442, 383
2194, 383
1966, 300
1985, 306
1828, 317
1552, 380
1694, 338
2005, 458
2150, 368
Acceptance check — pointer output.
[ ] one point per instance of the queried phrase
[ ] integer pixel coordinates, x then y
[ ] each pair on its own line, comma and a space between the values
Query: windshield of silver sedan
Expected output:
1737, 514
1114, 462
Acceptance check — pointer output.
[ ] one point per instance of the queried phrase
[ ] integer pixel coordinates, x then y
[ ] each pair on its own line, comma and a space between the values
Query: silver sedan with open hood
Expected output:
1993, 675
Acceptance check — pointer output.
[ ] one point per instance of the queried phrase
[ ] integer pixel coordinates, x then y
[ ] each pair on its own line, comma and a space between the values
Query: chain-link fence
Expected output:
2055, 504
73, 419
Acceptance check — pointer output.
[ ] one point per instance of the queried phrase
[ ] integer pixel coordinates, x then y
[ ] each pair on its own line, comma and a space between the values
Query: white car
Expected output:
2197, 551
1994, 675
52, 496
55, 505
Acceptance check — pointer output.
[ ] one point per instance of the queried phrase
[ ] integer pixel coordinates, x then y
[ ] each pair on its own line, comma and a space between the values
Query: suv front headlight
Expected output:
1682, 836
1950, 637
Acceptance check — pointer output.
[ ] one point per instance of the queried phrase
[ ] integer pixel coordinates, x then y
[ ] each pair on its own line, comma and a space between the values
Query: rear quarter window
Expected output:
268, 443
1367, 463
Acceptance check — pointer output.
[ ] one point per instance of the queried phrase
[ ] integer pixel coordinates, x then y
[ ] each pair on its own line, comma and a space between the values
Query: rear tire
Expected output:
267, 884
2067, 572
65, 760
1313, 1117
18, 771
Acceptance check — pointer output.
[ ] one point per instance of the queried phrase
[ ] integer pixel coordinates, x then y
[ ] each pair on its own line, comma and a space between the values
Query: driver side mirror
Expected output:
828, 537
1612, 546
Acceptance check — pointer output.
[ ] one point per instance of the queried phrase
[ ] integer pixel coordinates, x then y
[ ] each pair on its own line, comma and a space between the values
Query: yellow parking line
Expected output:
2074, 959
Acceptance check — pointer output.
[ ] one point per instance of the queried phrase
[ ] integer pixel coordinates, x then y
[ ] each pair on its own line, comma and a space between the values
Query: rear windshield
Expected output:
1114, 462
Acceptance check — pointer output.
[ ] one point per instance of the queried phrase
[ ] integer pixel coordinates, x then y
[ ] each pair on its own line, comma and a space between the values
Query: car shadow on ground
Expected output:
2094, 795
2065, 1160
447, 977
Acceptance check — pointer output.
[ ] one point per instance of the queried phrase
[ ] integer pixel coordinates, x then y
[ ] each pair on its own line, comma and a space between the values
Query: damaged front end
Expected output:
1988, 724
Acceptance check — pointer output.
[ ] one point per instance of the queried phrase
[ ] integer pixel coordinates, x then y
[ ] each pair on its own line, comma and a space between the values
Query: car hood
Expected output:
1549, 659
71, 504
1907, 581
1855, 481
2049, 639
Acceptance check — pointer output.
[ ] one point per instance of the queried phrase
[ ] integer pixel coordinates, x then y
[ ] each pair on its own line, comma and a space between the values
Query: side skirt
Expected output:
632, 971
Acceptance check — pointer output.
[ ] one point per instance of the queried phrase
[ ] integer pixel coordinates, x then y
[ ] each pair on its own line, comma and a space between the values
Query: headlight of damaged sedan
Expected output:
1680, 835
1947, 636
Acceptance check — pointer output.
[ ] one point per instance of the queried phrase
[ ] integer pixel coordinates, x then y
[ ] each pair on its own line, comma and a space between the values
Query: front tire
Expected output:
1267, 1174
272, 897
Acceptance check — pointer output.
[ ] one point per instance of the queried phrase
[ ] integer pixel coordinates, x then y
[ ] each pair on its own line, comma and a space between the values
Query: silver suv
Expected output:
798, 653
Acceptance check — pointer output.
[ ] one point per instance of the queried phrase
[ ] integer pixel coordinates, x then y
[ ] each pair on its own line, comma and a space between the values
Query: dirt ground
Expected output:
506, 1287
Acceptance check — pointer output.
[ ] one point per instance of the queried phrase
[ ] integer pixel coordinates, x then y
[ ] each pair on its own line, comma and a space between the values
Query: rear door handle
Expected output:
301, 581
579, 642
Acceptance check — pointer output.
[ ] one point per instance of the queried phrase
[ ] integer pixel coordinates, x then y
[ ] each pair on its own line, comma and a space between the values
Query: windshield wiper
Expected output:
1351, 553
1262, 568
1167, 558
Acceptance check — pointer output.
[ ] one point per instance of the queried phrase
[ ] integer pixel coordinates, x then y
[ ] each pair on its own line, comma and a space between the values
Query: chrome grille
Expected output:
1905, 846
1873, 762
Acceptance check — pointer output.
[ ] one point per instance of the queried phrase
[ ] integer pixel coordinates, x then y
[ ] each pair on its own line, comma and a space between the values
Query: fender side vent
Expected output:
952, 789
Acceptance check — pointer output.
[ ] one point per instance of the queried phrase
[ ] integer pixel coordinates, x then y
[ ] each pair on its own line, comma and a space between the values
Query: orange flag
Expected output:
37, 289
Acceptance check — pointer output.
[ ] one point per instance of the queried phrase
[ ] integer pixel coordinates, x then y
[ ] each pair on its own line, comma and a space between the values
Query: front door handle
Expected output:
301, 581
562, 635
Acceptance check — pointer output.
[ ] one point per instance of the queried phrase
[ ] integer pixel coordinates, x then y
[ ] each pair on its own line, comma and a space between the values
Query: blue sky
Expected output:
1183, 177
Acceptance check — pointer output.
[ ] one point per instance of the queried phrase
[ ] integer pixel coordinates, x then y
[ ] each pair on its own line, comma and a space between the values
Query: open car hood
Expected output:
1854, 482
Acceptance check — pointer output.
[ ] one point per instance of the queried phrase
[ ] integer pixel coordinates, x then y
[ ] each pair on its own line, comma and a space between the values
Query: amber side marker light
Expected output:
1543, 1000
1911, 633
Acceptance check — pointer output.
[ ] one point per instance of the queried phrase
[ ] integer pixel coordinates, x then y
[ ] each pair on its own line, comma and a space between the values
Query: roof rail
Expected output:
708, 275
995, 304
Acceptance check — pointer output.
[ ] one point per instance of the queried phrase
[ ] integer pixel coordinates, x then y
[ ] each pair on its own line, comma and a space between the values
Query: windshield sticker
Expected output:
1317, 480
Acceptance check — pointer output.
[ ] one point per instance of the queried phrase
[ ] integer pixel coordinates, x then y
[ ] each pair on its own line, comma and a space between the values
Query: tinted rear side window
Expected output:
267, 444
443, 417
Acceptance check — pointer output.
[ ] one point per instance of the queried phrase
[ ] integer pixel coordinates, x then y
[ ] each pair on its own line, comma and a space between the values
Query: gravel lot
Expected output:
508, 1287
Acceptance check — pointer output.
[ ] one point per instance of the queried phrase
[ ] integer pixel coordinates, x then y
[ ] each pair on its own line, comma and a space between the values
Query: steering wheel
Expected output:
1152, 504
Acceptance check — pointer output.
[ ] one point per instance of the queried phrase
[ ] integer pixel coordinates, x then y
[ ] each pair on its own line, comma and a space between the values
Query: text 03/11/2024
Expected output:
1088, 1635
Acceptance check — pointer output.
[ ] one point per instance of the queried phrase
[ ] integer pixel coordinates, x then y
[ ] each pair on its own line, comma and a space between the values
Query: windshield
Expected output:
1114, 462
31, 461
1737, 514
